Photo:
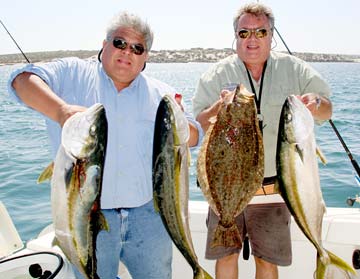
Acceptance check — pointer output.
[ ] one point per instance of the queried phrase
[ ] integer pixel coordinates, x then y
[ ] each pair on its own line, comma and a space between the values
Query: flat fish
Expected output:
230, 164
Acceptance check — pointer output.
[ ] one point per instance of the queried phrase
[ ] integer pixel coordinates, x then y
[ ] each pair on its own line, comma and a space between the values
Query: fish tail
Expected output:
226, 237
322, 266
202, 274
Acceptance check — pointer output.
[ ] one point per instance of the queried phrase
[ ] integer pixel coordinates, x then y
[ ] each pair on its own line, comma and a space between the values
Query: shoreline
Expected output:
207, 55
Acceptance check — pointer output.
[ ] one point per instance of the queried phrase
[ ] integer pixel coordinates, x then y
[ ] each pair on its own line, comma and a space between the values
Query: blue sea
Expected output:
25, 151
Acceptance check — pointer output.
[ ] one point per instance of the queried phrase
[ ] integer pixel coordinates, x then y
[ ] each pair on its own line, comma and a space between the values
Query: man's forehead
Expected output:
128, 32
245, 18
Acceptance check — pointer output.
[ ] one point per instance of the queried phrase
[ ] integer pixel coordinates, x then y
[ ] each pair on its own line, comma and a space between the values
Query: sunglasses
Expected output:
259, 33
120, 43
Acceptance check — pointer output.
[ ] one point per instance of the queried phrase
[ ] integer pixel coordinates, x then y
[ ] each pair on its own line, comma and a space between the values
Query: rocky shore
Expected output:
170, 56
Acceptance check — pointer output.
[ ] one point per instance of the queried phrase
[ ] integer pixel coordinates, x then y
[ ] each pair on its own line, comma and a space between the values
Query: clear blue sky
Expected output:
322, 26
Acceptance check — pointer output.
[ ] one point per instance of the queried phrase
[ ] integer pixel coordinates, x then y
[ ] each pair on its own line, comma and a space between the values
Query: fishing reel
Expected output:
35, 271
350, 201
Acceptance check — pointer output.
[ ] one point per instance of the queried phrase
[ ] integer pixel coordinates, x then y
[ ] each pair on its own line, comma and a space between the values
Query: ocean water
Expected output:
25, 151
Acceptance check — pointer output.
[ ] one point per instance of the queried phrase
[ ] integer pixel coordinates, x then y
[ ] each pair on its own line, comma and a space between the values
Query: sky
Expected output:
320, 26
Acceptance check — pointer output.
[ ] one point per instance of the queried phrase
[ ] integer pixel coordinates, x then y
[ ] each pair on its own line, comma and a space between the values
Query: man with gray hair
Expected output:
60, 88
271, 76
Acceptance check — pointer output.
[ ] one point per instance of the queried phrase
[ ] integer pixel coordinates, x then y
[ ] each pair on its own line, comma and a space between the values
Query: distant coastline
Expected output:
169, 56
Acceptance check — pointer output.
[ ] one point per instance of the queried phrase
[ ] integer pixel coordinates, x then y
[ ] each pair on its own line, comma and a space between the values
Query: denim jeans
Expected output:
138, 238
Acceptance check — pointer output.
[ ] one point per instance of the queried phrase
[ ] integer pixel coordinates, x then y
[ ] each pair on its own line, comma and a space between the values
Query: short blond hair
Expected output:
255, 9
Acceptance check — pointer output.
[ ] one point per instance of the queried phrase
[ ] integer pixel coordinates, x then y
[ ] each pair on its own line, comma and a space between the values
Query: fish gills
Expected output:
231, 164
171, 179
297, 171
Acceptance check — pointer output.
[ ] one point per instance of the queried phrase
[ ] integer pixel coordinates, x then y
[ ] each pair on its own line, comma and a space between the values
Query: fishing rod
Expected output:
14, 41
352, 160
281, 38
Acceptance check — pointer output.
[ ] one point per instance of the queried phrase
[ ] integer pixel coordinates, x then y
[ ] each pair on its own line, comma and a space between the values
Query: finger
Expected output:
178, 98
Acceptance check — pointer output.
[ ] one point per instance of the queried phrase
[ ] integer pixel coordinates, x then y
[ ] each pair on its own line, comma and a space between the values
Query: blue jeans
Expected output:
137, 238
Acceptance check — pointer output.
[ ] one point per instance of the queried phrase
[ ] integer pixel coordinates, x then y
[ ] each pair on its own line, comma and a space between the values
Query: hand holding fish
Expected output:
194, 134
226, 96
66, 110
320, 107
178, 99
206, 117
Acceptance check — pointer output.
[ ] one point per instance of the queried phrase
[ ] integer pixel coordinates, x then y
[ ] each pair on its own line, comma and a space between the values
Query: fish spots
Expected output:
231, 135
231, 165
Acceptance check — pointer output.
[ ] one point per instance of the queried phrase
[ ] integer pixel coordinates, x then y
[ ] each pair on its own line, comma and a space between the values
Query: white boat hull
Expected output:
341, 227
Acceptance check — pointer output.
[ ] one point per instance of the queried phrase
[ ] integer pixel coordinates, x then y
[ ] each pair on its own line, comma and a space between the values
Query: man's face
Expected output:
253, 50
123, 65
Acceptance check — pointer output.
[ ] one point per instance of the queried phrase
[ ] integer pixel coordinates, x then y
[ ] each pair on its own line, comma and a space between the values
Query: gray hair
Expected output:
127, 20
255, 9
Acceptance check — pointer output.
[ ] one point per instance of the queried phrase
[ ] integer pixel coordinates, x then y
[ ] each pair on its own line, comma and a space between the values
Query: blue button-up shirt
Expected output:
127, 180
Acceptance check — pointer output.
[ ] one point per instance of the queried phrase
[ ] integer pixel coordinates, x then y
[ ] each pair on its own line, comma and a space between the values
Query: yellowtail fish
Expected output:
171, 179
76, 188
230, 164
299, 182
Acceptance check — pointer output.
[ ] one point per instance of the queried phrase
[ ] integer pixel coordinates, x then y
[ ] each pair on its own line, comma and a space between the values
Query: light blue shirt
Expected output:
127, 180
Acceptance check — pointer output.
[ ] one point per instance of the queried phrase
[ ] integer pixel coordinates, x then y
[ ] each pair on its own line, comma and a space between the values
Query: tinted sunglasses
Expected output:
259, 33
120, 43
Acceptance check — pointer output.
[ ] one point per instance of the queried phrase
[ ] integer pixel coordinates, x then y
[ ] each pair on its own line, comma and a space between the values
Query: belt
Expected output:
266, 190
268, 187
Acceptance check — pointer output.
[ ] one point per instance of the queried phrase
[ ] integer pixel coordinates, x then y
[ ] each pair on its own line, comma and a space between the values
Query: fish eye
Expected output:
289, 117
92, 130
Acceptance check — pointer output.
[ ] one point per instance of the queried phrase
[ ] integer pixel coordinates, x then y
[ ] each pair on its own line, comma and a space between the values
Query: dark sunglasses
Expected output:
120, 43
259, 33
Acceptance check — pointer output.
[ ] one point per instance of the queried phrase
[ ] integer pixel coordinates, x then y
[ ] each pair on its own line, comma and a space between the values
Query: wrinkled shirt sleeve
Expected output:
51, 73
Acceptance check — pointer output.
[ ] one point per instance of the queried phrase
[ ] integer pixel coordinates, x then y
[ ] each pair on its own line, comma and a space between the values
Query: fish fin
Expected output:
201, 273
321, 155
300, 152
212, 119
55, 242
104, 225
338, 262
188, 157
227, 237
46, 173
322, 268
156, 205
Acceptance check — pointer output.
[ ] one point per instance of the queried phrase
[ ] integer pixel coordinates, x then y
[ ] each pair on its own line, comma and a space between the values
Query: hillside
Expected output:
170, 56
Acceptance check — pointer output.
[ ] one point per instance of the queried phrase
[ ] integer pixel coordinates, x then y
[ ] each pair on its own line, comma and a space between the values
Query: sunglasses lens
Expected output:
260, 33
243, 33
137, 49
119, 43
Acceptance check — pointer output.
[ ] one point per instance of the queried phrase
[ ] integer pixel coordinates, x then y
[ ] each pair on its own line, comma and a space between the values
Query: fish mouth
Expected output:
95, 109
294, 101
